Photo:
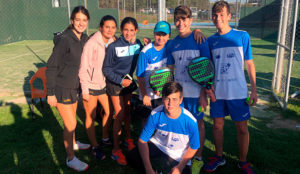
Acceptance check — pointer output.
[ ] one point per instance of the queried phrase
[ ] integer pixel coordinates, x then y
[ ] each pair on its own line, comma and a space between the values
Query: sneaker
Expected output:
81, 146
98, 153
106, 143
77, 165
129, 144
119, 157
245, 167
196, 166
214, 163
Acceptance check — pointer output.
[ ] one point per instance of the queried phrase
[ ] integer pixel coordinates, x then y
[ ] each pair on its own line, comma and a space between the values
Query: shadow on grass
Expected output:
270, 150
25, 143
269, 47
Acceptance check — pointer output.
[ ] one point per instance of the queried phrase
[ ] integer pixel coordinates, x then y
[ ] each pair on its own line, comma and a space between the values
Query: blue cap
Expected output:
162, 26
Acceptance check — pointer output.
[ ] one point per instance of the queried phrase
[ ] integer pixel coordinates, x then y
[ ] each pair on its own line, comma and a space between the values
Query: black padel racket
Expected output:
202, 71
159, 77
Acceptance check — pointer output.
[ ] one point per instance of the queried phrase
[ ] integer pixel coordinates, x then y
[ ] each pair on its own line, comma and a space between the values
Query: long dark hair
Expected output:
78, 9
107, 18
129, 20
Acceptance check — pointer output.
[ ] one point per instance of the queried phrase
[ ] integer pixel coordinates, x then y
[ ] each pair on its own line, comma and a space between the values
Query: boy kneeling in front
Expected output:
175, 140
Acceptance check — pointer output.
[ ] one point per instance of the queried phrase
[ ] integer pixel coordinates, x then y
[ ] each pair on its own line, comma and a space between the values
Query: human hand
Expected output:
146, 100
203, 103
146, 41
86, 97
211, 94
51, 100
199, 36
126, 82
252, 99
157, 93
175, 170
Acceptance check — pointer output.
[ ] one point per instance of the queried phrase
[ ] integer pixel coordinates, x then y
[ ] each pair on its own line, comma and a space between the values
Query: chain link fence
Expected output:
34, 22
38, 20
288, 43
146, 11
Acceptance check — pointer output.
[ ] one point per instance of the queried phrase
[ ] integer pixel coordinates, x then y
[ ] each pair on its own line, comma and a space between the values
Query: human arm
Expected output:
109, 65
186, 158
146, 40
84, 71
203, 102
250, 67
142, 87
145, 136
52, 71
144, 153
252, 77
199, 36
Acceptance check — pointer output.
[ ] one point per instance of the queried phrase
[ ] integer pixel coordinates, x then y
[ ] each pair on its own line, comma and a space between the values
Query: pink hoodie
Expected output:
90, 72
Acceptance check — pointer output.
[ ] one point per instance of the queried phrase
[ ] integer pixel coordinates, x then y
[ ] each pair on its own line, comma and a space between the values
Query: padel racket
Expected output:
202, 71
159, 77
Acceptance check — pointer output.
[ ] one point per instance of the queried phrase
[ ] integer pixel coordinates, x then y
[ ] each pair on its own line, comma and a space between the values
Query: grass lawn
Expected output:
36, 145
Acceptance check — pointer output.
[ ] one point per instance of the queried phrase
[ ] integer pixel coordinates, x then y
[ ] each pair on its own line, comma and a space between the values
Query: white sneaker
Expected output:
77, 165
81, 146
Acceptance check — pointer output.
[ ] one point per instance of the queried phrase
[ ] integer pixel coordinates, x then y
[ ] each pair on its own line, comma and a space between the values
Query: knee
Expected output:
242, 130
201, 125
71, 125
119, 115
218, 126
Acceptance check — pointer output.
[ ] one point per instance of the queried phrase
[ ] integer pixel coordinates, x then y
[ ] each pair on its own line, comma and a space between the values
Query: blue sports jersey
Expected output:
172, 136
149, 60
180, 52
229, 51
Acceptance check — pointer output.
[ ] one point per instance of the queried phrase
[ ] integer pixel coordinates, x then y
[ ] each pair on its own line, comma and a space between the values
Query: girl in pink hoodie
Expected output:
93, 83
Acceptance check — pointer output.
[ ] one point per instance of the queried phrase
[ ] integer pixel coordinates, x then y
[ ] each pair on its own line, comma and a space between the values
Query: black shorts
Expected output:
144, 111
113, 89
97, 92
160, 161
66, 95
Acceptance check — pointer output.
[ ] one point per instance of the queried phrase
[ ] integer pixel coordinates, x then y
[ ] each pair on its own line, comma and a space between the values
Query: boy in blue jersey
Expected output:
153, 56
181, 50
175, 138
230, 49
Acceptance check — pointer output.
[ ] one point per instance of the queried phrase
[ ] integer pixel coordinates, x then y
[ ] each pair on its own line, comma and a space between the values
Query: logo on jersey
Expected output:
162, 125
175, 139
154, 58
215, 43
230, 55
170, 145
178, 45
225, 67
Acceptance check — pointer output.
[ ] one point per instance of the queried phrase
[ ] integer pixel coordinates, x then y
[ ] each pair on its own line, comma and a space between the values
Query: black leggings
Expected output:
159, 160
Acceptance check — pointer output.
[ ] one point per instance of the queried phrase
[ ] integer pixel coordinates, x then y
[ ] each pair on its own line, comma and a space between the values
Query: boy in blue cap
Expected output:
153, 56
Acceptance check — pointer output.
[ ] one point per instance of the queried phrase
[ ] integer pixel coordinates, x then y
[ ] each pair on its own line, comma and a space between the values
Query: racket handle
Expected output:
211, 95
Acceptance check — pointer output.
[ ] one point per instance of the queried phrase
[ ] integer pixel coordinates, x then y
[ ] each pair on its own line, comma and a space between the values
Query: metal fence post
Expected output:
291, 55
281, 49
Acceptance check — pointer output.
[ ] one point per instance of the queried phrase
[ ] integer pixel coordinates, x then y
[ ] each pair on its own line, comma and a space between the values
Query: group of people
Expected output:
101, 67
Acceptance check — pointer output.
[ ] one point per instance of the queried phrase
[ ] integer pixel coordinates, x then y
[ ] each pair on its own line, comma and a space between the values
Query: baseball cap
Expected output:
162, 26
